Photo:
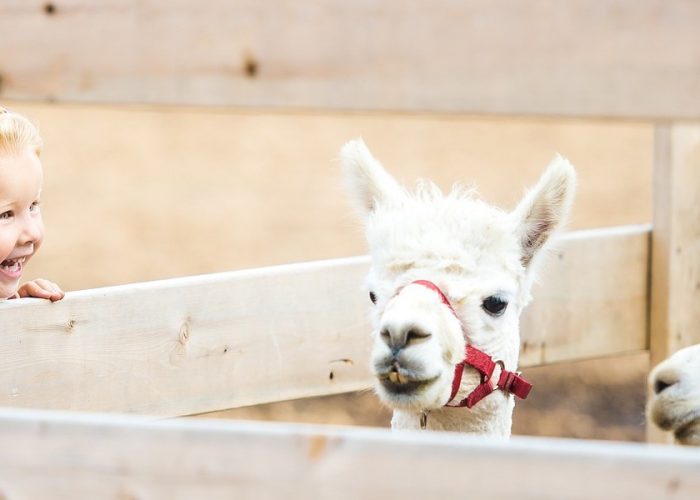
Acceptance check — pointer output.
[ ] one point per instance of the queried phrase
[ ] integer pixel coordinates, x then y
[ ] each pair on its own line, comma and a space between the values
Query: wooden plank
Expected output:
623, 58
676, 240
591, 299
242, 180
54, 455
190, 345
205, 343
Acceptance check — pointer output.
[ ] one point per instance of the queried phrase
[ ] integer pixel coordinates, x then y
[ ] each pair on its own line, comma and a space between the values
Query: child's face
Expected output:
21, 227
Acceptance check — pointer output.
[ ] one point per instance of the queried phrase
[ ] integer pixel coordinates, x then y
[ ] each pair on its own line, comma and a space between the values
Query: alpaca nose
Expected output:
663, 381
398, 337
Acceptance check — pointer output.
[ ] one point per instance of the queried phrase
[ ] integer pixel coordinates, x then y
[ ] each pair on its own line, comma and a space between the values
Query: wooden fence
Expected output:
617, 58
203, 343
77, 455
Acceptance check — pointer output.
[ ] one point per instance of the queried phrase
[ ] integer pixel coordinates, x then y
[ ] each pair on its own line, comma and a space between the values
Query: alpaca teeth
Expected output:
396, 377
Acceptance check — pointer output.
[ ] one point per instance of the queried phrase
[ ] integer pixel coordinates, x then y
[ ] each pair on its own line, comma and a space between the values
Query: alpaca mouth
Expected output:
409, 386
398, 381
677, 422
689, 430
683, 422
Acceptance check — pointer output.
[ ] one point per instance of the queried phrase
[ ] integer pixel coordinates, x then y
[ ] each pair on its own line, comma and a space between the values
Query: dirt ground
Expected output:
136, 194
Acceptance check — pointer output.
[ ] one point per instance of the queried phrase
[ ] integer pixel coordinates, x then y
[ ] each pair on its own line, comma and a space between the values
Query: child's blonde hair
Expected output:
17, 133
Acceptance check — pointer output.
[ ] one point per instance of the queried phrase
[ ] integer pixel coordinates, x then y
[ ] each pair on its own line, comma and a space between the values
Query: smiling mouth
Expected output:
12, 266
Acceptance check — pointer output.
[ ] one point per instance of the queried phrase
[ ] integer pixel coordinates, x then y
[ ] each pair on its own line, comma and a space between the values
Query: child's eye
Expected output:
6, 215
34, 206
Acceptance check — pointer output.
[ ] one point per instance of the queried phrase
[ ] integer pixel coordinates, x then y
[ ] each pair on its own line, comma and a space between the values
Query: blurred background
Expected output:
195, 137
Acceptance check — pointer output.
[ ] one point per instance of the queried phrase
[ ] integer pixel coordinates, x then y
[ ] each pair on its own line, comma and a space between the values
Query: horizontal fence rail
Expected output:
591, 299
575, 58
63, 455
189, 345
212, 342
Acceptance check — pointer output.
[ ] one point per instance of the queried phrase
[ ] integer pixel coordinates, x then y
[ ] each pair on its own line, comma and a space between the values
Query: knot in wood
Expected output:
184, 332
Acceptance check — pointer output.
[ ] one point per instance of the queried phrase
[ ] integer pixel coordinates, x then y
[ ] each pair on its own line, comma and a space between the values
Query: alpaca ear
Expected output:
369, 184
545, 207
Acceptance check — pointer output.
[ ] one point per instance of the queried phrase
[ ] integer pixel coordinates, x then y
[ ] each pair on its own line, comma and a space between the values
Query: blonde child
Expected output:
21, 227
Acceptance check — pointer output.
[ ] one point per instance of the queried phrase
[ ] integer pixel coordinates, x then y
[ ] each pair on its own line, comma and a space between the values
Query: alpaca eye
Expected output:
373, 297
494, 305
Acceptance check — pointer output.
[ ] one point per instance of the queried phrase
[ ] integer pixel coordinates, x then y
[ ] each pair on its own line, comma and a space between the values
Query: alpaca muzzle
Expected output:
508, 381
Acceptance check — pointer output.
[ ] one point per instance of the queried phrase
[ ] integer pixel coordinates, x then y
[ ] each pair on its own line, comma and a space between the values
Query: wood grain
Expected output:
675, 315
211, 342
70, 456
621, 58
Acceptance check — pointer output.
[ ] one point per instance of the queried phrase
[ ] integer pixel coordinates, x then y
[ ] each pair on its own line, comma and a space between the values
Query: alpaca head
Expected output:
482, 259
674, 388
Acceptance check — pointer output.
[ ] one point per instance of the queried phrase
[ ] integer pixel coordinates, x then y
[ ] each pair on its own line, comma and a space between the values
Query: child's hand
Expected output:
40, 288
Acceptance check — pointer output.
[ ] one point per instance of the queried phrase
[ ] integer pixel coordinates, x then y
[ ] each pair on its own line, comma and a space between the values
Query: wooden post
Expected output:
675, 284
675, 263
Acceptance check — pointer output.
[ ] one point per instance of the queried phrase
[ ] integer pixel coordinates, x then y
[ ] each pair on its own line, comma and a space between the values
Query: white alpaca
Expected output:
674, 388
481, 258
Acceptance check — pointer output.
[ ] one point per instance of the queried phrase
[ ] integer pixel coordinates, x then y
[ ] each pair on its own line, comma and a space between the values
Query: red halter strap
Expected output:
509, 382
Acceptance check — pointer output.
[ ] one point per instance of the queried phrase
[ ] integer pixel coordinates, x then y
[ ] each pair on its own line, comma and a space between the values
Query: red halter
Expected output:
509, 382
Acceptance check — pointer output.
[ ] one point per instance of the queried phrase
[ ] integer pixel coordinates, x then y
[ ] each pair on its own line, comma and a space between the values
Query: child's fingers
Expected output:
42, 289
33, 289
49, 286
58, 294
